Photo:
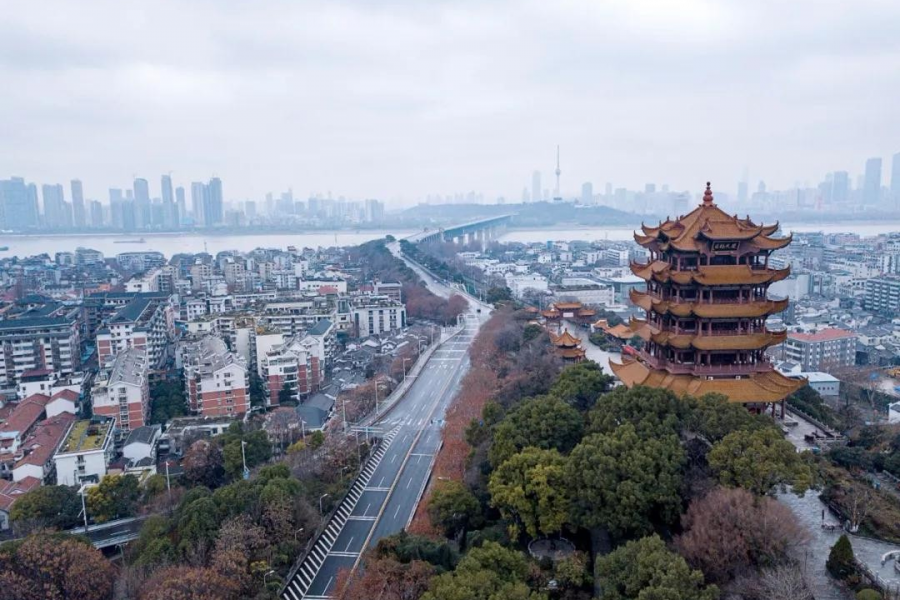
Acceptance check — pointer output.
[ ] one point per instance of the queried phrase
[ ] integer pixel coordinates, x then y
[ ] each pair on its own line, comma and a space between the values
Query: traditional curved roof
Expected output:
708, 311
711, 223
744, 341
565, 340
709, 275
766, 386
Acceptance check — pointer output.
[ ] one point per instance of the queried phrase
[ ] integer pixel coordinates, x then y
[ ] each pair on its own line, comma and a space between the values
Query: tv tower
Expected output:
557, 197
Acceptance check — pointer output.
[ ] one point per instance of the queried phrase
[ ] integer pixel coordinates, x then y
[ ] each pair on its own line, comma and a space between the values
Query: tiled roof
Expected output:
25, 414
768, 386
710, 311
35, 322
46, 438
10, 491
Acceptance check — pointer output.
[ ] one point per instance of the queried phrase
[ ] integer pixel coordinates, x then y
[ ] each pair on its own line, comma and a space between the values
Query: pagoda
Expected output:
706, 308
568, 347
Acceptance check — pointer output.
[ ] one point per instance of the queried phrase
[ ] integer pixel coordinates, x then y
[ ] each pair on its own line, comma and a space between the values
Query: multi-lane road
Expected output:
389, 500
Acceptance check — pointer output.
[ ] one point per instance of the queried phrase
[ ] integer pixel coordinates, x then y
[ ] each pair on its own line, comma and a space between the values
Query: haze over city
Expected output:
400, 100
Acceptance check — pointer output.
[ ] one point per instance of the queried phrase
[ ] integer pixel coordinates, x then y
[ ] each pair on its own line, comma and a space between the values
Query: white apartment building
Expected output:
216, 381
374, 315
144, 323
26, 344
85, 452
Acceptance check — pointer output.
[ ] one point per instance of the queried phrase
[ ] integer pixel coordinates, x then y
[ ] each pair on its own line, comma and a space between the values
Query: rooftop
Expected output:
143, 435
824, 335
87, 435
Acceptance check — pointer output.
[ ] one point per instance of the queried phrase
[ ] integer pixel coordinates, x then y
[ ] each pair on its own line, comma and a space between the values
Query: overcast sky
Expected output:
401, 99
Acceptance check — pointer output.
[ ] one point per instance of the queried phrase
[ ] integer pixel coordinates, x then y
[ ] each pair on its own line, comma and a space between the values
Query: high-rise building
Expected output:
182, 205
18, 205
742, 191
198, 202
166, 187
587, 192
142, 211
895, 181
840, 187
96, 214
214, 202
706, 308
872, 182
536, 186
57, 212
78, 214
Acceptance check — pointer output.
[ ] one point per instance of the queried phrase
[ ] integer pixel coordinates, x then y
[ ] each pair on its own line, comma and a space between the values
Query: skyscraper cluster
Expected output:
23, 209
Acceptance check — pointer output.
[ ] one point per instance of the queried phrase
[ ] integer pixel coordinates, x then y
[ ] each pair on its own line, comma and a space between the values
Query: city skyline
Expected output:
346, 95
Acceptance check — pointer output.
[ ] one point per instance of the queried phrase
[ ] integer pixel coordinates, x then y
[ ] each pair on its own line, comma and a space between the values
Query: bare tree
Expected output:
859, 502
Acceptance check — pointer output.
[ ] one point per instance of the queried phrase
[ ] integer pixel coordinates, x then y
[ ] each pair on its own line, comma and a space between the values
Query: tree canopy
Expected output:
646, 569
453, 507
621, 481
582, 384
489, 572
653, 412
759, 461
544, 422
55, 506
530, 490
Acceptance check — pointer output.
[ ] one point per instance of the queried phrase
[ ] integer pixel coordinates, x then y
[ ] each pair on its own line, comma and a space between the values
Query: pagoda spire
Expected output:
708, 195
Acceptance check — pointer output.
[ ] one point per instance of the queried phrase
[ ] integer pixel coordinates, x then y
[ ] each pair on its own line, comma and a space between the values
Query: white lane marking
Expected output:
348, 543
368, 506
408, 481
396, 512
393, 458
380, 482
328, 585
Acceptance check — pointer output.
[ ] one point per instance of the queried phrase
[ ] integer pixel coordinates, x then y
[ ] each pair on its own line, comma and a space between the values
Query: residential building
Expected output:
823, 350
35, 457
144, 323
139, 449
374, 315
10, 491
29, 343
122, 391
297, 365
216, 380
17, 426
882, 294
85, 452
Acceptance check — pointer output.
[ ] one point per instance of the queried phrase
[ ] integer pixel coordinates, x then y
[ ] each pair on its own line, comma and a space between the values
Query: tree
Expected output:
256, 389
498, 294
653, 412
453, 508
714, 417
386, 578
114, 498
203, 464
197, 526
841, 563
621, 481
544, 422
580, 385
489, 572
530, 491
730, 530
154, 544
257, 450
868, 594
286, 396
55, 506
190, 583
54, 566
645, 569
167, 400
759, 461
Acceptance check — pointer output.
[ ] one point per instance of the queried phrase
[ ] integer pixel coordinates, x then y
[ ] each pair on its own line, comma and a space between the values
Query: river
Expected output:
174, 243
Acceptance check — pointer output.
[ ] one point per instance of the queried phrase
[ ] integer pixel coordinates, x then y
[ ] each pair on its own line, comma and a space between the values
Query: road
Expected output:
389, 500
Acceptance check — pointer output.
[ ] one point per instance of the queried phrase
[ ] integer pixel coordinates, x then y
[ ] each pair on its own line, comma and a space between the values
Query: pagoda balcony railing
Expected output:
694, 369
709, 301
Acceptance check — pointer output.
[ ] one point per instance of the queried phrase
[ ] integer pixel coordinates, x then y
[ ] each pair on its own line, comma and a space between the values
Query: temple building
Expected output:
568, 347
706, 308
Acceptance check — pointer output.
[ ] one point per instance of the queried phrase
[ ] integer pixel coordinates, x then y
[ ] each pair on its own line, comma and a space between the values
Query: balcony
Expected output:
692, 369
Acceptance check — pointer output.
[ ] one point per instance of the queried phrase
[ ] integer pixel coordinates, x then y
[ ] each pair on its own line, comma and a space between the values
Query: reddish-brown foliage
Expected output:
46, 567
385, 579
731, 530
190, 583
479, 384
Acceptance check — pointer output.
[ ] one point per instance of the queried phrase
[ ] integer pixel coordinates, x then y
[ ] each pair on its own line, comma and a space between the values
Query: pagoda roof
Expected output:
766, 386
708, 222
567, 305
571, 353
708, 311
708, 275
744, 341
565, 340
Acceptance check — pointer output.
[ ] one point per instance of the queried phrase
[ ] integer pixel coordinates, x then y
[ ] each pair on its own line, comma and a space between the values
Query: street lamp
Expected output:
266, 574
405, 360
83, 503
246, 471
298, 532
322, 497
